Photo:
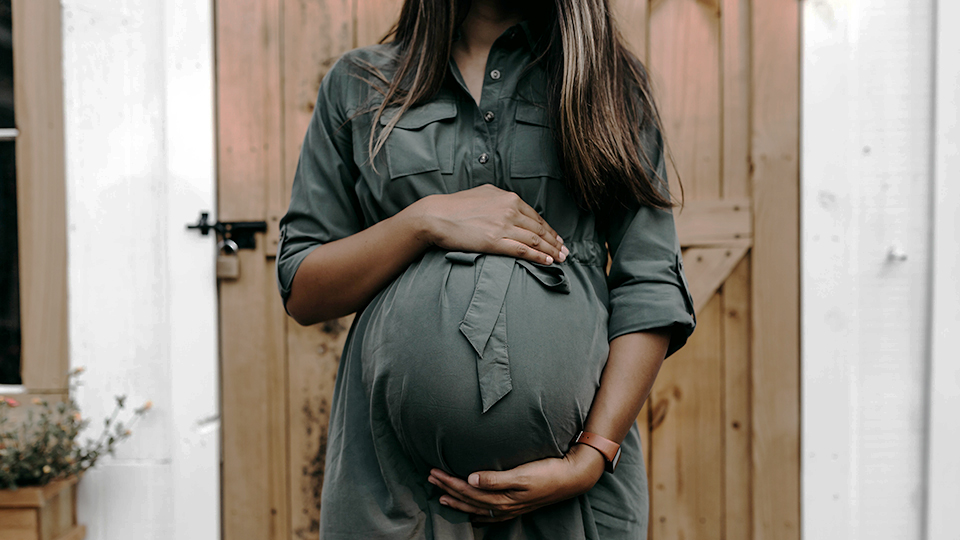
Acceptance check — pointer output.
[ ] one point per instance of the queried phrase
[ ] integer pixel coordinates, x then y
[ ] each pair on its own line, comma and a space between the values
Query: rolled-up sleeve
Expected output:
648, 288
323, 204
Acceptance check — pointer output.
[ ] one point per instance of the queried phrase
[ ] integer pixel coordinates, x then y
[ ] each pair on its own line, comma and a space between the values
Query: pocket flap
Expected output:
421, 115
528, 113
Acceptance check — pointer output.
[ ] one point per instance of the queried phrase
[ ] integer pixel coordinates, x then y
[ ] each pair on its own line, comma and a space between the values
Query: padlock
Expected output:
228, 260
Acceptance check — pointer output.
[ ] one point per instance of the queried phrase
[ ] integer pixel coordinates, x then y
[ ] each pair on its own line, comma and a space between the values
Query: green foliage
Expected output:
44, 448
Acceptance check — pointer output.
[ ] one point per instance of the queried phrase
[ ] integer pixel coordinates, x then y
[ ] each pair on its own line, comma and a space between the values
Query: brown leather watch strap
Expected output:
609, 449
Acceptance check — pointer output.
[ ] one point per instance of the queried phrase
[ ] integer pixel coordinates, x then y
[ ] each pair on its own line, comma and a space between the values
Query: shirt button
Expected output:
489, 116
495, 74
483, 158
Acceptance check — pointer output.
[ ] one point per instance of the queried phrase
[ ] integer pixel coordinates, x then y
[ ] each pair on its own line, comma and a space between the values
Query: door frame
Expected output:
943, 439
195, 408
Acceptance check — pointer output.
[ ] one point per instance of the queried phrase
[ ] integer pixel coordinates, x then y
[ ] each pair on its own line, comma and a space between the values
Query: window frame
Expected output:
41, 197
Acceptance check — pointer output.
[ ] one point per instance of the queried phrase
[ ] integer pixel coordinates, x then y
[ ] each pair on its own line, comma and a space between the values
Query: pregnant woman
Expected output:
460, 188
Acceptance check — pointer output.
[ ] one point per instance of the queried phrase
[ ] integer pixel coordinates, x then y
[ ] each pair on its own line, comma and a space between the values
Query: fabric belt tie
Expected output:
485, 322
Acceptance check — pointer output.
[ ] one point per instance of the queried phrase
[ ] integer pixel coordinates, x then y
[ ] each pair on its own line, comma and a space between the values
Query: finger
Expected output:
537, 242
532, 214
497, 481
515, 247
541, 237
463, 491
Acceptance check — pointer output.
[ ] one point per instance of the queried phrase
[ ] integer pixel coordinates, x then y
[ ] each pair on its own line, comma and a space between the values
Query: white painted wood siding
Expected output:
943, 470
138, 78
866, 188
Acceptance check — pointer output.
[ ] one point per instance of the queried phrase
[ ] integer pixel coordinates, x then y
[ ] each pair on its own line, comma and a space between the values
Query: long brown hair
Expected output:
599, 93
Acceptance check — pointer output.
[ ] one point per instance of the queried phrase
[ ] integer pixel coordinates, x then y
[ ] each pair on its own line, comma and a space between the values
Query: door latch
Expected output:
241, 233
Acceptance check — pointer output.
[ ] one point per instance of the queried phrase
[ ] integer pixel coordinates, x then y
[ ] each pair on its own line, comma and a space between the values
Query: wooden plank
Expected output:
831, 313
315, 34
18, 524
253, 356
312, 353
735, 68
78, 532
687, 493
41, 192
715, 222
685, 68
775, 127
374, 18
34, 497
866, 191
943, 466
631, 18
192, 412
706, 270
737, 478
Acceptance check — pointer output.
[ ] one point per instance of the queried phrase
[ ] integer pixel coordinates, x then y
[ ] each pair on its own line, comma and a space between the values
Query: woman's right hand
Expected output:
340, 277
487, 219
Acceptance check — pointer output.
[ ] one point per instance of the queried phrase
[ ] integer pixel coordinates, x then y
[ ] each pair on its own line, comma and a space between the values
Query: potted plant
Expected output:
41, 461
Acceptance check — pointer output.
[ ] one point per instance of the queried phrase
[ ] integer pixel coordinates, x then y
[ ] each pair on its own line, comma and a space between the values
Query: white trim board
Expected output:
943, 469
139, 126
194, 328
865, 188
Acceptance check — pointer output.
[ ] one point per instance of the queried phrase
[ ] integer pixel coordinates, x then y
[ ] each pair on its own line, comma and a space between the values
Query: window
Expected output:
9, 272
33, 231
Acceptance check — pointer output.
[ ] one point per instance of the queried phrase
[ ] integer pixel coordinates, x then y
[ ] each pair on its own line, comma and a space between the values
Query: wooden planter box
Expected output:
41, 513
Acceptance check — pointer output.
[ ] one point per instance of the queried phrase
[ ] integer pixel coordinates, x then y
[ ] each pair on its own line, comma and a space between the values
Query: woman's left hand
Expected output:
521, 489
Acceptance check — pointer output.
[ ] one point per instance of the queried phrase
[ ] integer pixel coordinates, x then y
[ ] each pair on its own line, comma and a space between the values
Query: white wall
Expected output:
866, 198
138, 78
943, 469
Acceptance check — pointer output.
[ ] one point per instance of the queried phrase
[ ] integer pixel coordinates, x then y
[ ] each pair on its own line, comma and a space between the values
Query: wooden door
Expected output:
722, 425
723, 418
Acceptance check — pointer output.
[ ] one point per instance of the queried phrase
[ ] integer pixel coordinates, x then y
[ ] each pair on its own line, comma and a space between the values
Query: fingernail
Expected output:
564, 250
433, 480
559, 239
474, 480
562, 257
549, 259
444, 502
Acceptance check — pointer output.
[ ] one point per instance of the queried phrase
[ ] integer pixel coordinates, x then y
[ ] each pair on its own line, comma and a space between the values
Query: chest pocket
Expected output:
423, 139
534, 146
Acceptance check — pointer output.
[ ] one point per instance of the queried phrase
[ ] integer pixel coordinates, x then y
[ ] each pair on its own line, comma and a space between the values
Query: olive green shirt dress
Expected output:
471, 361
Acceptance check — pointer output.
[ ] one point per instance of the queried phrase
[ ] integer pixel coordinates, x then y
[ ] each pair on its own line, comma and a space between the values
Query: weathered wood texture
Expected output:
315, 34
728, 403
701, 437
775, 370
256, 494
278, 377
41, 193
717, 222
41, 513
686, 479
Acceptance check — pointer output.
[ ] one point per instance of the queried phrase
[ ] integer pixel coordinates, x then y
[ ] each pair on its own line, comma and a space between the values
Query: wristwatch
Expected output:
609, 449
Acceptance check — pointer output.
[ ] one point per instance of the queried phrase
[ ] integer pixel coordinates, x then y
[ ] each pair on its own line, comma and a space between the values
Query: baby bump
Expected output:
484, 362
